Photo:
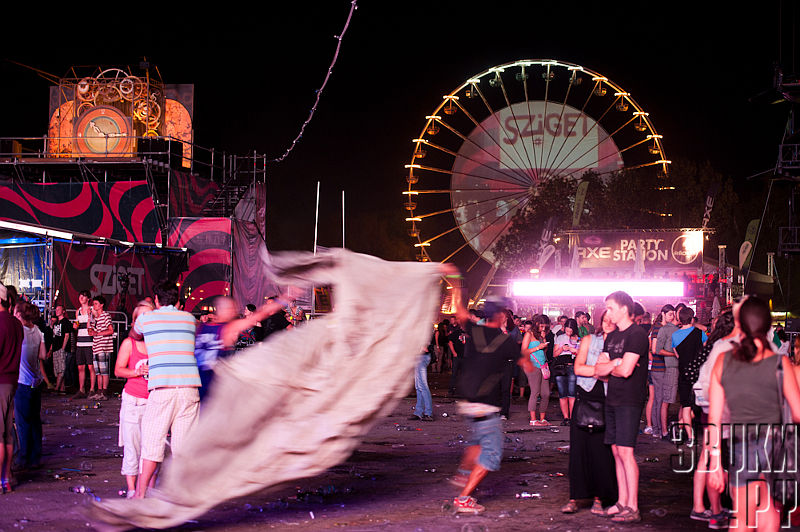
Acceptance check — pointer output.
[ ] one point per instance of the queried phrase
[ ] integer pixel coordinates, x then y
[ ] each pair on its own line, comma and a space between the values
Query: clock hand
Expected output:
96, 129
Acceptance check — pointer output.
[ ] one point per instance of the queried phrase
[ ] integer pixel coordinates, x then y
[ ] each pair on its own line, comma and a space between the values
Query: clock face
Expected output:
103, 130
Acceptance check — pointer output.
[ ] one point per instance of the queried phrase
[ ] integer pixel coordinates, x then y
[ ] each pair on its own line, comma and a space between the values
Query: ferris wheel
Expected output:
484, 151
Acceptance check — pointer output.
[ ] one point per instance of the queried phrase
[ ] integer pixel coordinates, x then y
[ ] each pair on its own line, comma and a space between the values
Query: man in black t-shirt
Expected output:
624, 362
486, 355
62, 339
276, 322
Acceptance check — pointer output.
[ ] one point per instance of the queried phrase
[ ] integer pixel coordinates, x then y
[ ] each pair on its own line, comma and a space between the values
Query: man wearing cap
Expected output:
486, 356
11, 336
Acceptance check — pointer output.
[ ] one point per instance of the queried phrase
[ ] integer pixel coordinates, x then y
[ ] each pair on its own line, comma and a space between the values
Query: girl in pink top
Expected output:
132, 364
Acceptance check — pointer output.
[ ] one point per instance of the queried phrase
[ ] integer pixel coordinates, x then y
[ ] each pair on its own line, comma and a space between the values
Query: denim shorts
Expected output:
566, 385
488, 433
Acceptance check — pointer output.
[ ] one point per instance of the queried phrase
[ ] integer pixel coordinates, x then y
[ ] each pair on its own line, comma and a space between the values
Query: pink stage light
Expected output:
555, 288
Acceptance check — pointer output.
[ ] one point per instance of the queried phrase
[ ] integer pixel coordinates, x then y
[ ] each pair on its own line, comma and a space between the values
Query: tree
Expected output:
626, 200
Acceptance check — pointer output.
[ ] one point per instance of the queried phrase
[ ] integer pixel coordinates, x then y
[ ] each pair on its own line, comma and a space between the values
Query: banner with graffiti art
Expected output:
122, 210
209, 266
122, 279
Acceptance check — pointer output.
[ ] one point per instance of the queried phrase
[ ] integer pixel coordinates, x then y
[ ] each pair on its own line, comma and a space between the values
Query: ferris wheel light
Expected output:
413, 166
450, 97
415, 192
574, 68
422, 244
420, 140
474, 81
414, 219
655, 136
663, 161
622, 94
433, 117
599, 78
640, 113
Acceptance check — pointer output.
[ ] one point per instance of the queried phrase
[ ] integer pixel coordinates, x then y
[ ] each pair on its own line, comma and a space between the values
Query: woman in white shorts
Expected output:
132, 364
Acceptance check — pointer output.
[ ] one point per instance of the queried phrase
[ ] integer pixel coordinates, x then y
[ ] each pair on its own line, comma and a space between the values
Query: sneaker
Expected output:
565, 422
719, 521
79, 395
427, 418
458, 480
467, 505
130, 494
705, 515
534, 423
648, 430
101, 397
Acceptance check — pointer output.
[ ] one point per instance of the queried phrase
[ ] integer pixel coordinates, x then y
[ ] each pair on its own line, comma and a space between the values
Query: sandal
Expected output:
570, 508
627, 516
616, 505
597, 508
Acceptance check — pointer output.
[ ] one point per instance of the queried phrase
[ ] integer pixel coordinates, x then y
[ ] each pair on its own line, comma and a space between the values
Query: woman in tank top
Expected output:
745, 378
132, 365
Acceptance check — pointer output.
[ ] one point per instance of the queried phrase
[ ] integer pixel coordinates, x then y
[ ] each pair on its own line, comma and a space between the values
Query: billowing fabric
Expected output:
310, 393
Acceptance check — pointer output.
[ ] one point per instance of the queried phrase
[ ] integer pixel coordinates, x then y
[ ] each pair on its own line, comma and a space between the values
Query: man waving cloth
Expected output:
299, 403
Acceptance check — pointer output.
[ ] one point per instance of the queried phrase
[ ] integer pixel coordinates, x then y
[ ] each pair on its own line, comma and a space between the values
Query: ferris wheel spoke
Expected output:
599, 142
501, 232
528, 104
560, 163
495, 140
452, 209
478, 176
454, 154
453, 254
524, 180
623, 150
525, 177
533, 173
519, 190
511, 207
572, 128
560, 118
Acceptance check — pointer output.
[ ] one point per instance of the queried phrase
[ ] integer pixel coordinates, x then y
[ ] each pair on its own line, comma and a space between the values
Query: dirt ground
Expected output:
395, 481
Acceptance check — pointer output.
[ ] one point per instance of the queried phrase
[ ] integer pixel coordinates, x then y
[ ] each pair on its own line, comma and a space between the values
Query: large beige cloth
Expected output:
300, 402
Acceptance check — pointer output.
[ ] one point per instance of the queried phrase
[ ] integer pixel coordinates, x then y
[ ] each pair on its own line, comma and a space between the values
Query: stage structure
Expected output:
119, 163
486, 148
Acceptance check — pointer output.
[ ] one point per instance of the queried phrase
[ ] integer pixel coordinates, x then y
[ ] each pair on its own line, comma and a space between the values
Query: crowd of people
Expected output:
616, 380
167, 359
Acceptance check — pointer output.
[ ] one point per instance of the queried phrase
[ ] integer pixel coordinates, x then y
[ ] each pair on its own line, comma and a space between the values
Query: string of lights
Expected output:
353, 7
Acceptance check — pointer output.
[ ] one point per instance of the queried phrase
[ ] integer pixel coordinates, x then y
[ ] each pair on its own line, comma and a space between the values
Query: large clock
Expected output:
103, 131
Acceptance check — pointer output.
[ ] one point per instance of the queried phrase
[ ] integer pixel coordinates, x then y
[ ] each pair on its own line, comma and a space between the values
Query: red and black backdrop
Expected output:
122, 277
209, 241
122, 210
189, 194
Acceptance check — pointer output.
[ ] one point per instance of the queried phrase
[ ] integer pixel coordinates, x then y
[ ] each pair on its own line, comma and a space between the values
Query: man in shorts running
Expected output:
486, 354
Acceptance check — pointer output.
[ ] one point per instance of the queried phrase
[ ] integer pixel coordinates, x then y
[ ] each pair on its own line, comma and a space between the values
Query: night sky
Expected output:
693, 68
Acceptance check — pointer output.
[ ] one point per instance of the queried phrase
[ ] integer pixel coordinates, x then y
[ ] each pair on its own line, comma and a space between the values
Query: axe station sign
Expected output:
654, 250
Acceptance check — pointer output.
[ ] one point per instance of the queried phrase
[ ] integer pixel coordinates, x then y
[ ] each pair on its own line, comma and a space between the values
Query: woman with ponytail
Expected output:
745, 379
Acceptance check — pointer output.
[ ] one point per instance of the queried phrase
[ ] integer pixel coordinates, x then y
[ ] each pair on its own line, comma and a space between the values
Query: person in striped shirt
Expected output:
101, 330
173, 379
